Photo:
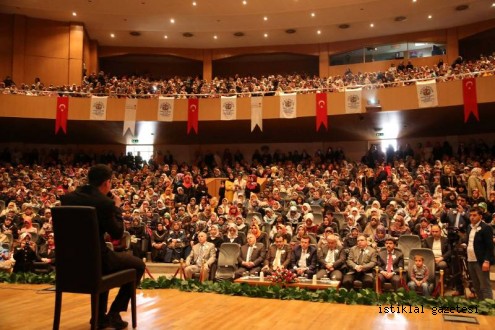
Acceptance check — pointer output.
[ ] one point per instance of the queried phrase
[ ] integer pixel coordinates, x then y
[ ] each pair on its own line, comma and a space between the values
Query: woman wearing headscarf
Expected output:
261, 237
158, 243
46, 254
25, 254
232, 235
378, 240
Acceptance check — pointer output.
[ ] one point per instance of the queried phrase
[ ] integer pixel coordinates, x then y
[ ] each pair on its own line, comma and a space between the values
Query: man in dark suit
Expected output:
251, 257
331, 258
361, 261
278, 256
440, 247
456, 220
98, 194
389, 260
303, 259
480, 255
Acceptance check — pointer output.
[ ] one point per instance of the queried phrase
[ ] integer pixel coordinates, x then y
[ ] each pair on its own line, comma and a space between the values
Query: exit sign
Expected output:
379, 134
135, 141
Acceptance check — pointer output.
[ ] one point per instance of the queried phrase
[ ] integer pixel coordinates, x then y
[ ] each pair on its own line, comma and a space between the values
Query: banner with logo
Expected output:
130, 116
353, 100
257, 113
98, 109
62, 114
288, 105
165, 108
192, 115
427, 93
470, 98
228, 108
321, 111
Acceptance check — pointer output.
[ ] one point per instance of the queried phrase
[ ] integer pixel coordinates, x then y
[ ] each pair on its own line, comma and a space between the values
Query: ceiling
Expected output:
407, 124
151, 19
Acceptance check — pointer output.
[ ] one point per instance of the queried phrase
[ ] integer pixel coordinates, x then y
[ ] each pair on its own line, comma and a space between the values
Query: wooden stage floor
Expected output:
31, 307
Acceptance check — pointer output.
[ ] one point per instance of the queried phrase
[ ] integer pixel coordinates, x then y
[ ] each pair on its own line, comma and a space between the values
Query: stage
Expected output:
27, 306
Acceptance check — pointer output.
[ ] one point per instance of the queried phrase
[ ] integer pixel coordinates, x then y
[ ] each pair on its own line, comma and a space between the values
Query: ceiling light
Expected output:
493, 4
215, 37
74, 13
313, 14
172, 20
244, 2
112, 35
414, 0
265, 18
318, 32
430, 16
165, 37
194, 3
372, 25
265, 35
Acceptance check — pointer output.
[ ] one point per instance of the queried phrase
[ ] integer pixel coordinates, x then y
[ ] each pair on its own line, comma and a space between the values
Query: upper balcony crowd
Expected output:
105, 84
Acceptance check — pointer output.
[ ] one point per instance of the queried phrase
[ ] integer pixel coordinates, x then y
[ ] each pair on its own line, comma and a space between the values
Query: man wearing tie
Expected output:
279, 255
331, 257
390, 260
361, 261
303, 258
251, 257
203, 255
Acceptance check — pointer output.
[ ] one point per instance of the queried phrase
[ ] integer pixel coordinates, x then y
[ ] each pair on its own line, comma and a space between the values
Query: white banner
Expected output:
257, 113
165, 108
427, 93
353, 100
288, 105
130, 116
228, 108
98, 109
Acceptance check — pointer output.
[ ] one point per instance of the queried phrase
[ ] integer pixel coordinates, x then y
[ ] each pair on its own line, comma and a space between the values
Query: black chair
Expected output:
78, 268
227, 261
429, 261
406, 243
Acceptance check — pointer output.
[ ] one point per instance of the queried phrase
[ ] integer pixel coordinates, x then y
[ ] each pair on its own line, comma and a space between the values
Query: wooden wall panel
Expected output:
47, 38
7, 43
50, 70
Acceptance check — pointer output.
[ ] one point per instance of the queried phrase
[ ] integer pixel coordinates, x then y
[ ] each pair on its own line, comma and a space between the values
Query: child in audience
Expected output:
419, 276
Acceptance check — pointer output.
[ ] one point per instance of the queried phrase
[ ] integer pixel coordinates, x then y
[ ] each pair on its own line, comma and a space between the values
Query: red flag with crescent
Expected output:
192, 115
62, 114
321, 111
470, 98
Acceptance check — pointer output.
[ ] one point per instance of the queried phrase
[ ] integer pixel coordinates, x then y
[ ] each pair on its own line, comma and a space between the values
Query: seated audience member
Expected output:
370, 229
419, 276
159, 243
399, 228
139, 238
378, 241
304, 259
279, 255
241, 225
261, 236
251, 257
202, 256
25, 254
8, 227
176, 242
6, 262
331, 258
351, 239
361, 262
390, 260
46, 254
423, 230
232, 235
440, 247
308, 223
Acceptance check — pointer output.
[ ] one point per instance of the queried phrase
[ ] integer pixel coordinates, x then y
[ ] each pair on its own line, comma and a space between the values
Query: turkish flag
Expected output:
321, 110
62, 114
192, 115
470, 98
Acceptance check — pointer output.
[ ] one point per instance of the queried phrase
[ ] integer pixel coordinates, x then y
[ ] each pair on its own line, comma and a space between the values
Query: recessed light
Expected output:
265, 35
430, 16
194, 3
215, 37
313, 14
318, 32
172, 20
165, 37
372, 25
112, 35
493, 4
244, 2
414, 0
74, 13
265, 18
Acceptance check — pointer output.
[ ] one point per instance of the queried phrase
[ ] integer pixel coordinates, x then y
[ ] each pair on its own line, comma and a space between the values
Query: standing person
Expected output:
97, 193
480, 253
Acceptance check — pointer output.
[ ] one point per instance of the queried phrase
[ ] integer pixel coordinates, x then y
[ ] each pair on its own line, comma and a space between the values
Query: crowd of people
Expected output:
102, 83
332, 217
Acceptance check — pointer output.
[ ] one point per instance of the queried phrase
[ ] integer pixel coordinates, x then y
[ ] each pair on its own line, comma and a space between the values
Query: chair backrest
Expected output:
251, 215
429, 261
37, 226
316, 209
2, 205
340, 219
242, 235
78, 267
229, 252
408, 242
317, 218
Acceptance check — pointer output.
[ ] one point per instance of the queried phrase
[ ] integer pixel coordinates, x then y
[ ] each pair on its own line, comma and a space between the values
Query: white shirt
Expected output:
330, 259
302, 260
437, 248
